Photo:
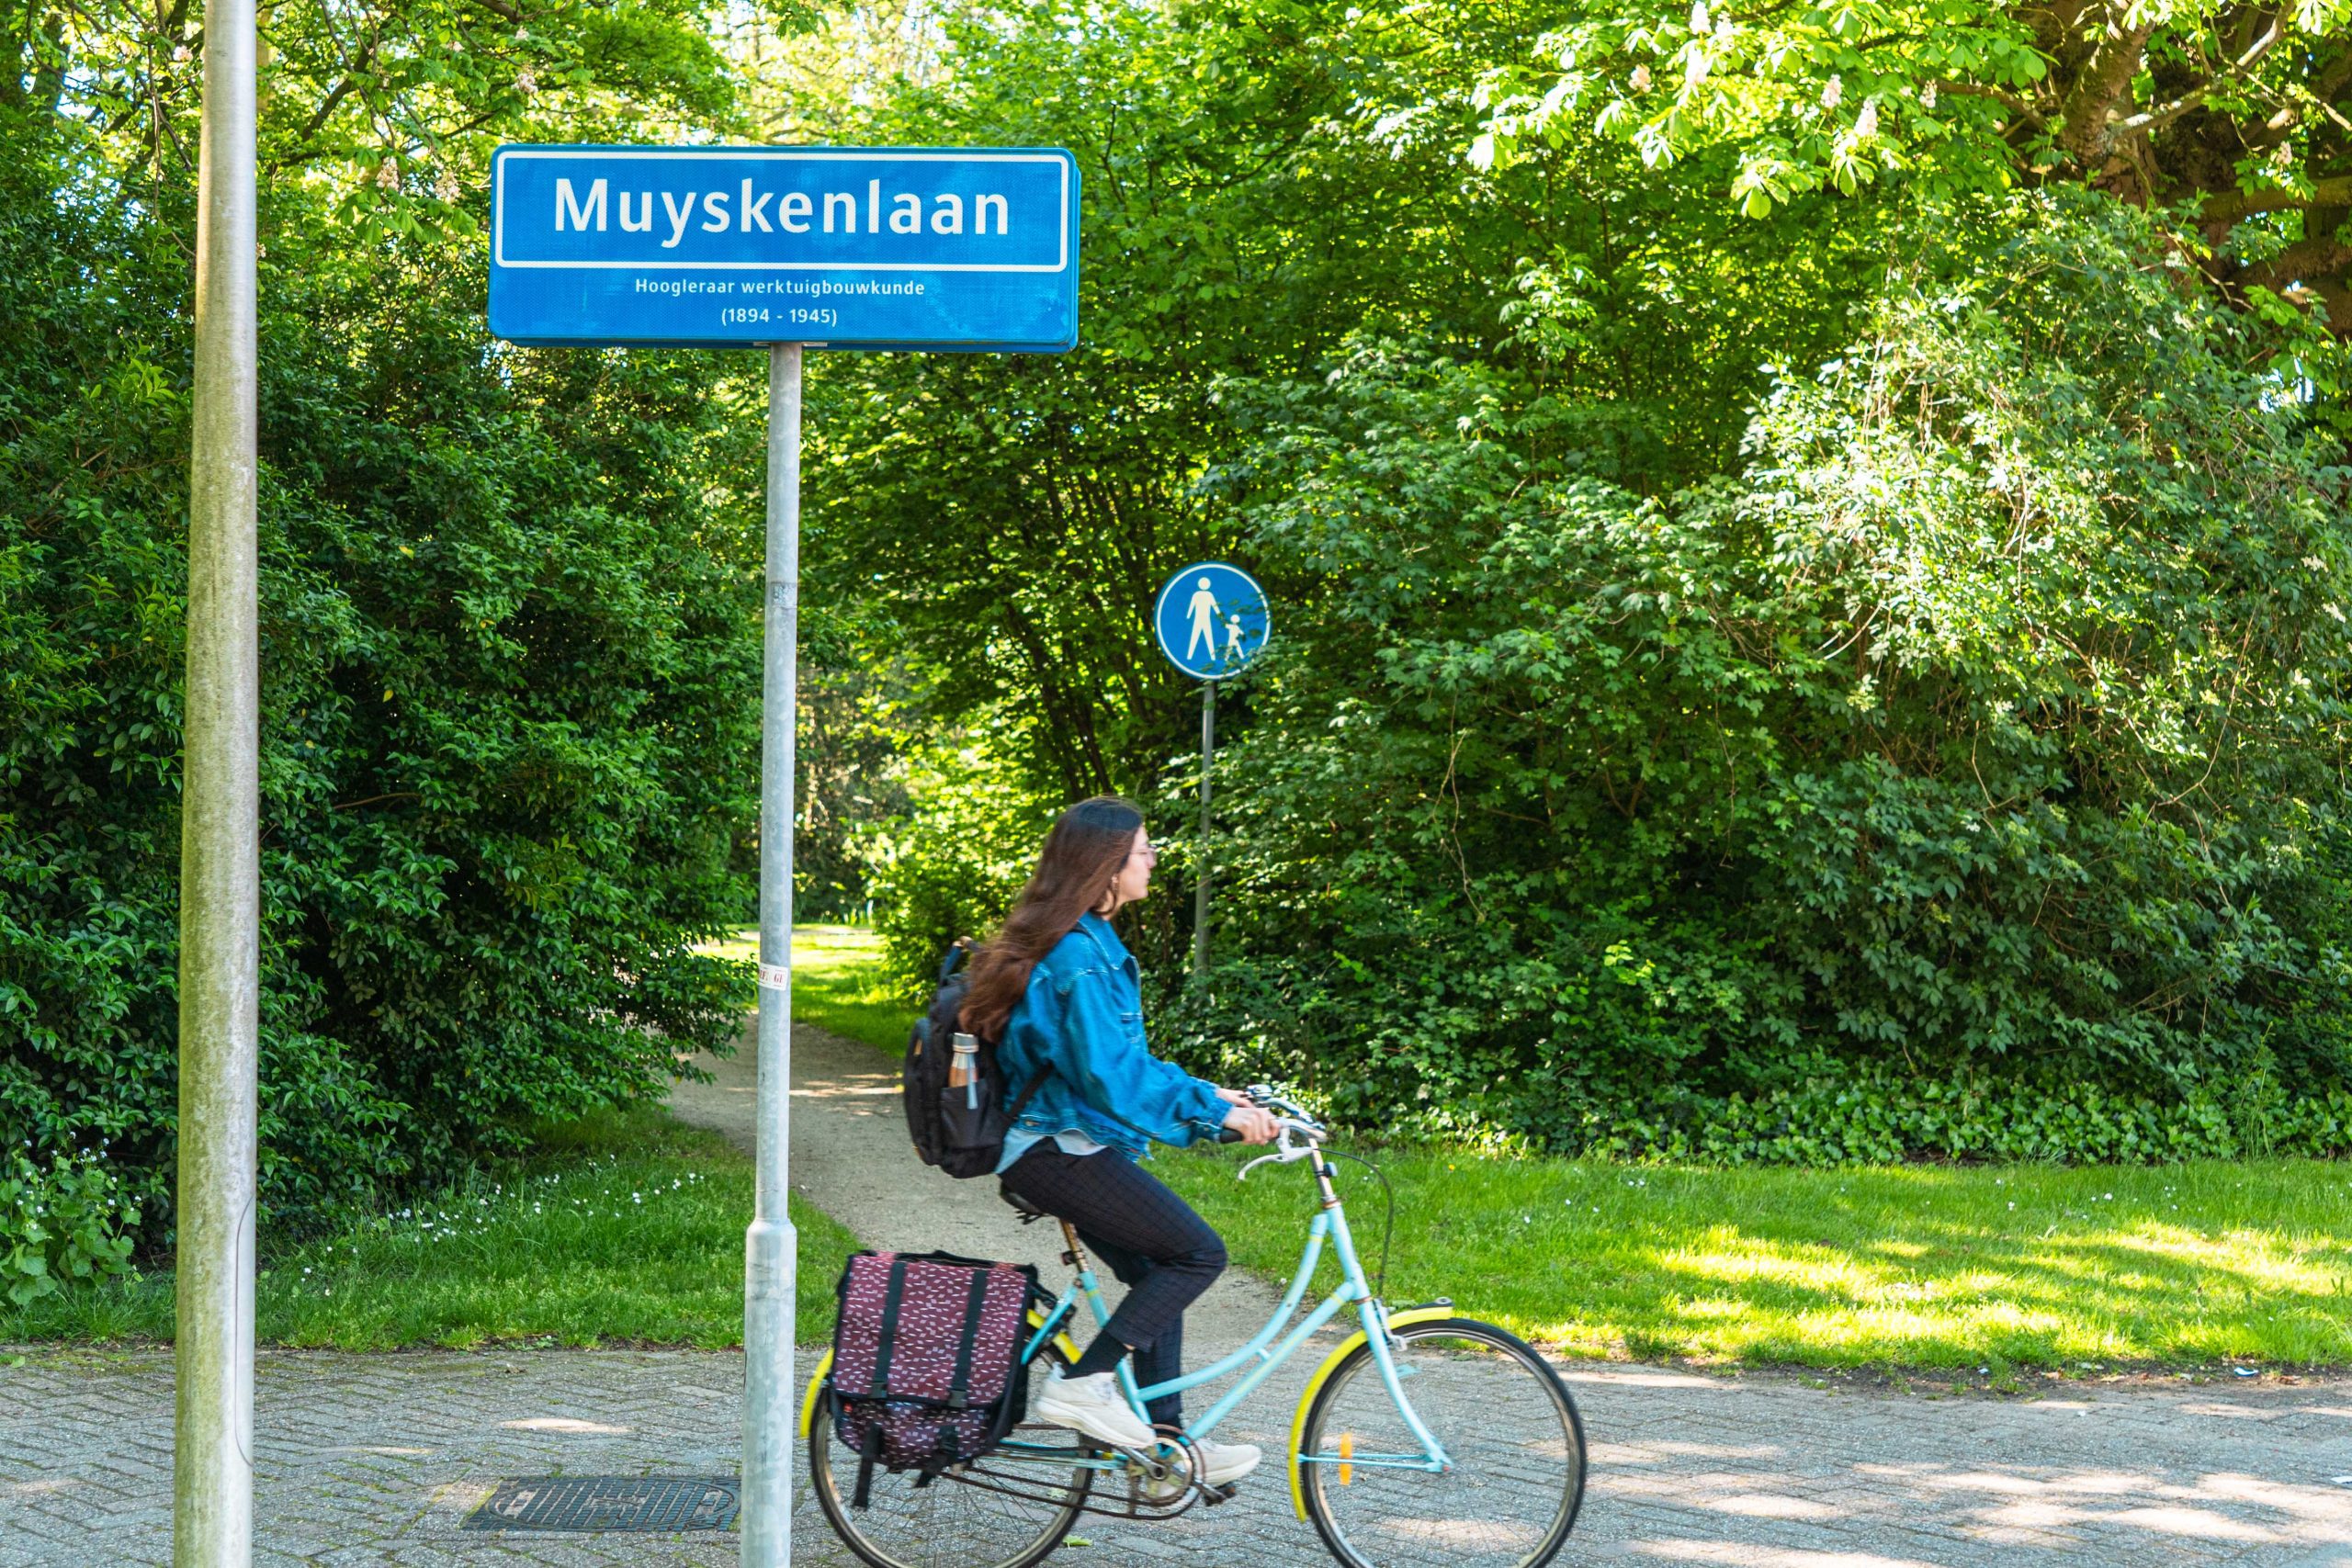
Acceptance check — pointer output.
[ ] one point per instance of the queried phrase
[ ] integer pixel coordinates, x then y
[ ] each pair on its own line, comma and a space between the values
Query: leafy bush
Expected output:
1985, 731
69, 1222
506, 630
952, 865
1875, 1114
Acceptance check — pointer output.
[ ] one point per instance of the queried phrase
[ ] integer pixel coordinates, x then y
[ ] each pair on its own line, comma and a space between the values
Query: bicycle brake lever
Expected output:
1286, 1152
1264, 1159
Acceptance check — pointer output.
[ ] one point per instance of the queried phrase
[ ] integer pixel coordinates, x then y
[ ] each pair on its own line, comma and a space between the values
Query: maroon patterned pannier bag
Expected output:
924, 1359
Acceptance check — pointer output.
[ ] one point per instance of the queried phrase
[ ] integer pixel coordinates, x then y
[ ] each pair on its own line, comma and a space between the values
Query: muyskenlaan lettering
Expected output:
747, 209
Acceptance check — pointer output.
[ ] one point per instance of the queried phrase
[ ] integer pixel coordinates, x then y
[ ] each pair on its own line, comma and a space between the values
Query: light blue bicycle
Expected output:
1426, 1438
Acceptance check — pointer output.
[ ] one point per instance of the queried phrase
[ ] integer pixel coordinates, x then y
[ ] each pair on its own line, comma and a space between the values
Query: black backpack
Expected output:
957, 1126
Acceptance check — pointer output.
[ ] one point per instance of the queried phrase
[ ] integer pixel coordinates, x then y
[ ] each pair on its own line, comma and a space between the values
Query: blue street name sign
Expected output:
969, 249
1211, 619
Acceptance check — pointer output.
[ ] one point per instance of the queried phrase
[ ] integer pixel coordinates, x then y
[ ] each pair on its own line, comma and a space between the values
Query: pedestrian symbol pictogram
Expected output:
1211, 620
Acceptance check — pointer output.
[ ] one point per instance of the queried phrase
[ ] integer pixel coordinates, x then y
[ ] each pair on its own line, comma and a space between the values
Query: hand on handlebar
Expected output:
1254, 1125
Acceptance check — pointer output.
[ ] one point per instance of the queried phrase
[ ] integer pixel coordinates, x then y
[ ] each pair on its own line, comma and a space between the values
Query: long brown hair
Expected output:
1082, 856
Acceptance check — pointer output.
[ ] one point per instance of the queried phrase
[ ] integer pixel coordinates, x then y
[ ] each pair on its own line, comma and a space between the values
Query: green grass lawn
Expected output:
619, 1230
630, 1229
2003, 1267
837, 983
1905, 1267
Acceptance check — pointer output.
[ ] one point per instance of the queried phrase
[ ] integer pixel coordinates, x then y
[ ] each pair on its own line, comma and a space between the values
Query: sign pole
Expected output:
213, 1476
1211, 621
902, 249
769, 1419
1201, 887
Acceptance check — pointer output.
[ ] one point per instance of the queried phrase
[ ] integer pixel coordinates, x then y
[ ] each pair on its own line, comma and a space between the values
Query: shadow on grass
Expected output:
2007, 1267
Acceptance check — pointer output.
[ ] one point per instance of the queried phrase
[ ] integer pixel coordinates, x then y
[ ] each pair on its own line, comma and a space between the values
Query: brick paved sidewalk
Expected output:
376, 1459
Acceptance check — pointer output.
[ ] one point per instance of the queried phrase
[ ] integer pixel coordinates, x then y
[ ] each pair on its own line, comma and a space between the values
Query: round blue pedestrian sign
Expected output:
1211, 619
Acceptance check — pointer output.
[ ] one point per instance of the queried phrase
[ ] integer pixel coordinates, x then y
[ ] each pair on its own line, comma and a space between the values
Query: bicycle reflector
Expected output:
1347, 1452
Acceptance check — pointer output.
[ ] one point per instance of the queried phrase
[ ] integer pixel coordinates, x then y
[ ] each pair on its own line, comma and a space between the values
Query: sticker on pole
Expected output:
1211, 619
962, 249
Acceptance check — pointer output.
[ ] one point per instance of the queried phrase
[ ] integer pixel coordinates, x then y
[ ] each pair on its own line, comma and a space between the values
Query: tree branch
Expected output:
2165, 114
333, 101
375, 800
2022, 108
2228, 206
2313, 263
2106, 77
2334, 78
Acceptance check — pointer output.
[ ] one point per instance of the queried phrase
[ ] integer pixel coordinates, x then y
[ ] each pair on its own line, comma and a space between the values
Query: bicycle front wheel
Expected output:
1507, 1423
1009, 1508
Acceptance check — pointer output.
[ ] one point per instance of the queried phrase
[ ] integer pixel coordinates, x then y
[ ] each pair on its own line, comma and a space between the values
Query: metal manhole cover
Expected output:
657, 1503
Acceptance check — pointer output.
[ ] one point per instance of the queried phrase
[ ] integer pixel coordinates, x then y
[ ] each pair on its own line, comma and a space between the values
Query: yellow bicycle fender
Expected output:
816, 1378
1323, 1374
816, 1389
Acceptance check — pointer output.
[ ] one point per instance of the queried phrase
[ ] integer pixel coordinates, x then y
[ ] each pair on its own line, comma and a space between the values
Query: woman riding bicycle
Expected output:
1062, 993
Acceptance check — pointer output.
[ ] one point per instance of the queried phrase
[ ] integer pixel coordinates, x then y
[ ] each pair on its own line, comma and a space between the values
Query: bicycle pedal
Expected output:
1213, 1495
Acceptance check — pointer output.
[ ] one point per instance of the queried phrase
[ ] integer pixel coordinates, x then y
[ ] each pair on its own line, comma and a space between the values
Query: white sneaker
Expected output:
1222, 1463
1092, 1406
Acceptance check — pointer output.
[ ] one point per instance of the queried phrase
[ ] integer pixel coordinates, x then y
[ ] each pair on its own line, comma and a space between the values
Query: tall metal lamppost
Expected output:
212, 1474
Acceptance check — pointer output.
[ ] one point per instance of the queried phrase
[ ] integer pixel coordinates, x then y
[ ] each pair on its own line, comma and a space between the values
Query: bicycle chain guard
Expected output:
1160, 1485
1154, 1488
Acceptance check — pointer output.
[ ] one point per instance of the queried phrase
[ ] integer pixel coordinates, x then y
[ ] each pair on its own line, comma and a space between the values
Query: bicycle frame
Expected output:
1329, 1225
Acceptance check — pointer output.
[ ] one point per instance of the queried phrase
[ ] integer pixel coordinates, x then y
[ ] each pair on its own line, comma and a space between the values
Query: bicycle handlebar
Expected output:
1290, 1112
1292, 1118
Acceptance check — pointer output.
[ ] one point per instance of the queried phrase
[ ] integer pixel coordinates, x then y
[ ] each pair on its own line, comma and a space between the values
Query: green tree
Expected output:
508, 614
1989, 719
2231, 115
1259, 184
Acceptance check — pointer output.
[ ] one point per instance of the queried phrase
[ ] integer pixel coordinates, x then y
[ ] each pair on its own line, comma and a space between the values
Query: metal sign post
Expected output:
768, 1249
212, 1463
959, 250
1211, 621
1201, 877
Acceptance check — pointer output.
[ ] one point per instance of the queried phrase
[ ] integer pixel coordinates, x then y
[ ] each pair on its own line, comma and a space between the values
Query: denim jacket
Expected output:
1083, 1017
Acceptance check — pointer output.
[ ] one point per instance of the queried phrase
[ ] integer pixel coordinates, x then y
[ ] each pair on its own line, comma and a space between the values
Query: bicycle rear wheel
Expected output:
1505, 1420
1003, 1510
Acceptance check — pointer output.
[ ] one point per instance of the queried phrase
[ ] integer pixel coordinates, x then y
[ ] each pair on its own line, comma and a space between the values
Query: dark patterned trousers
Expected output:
1154, 1243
